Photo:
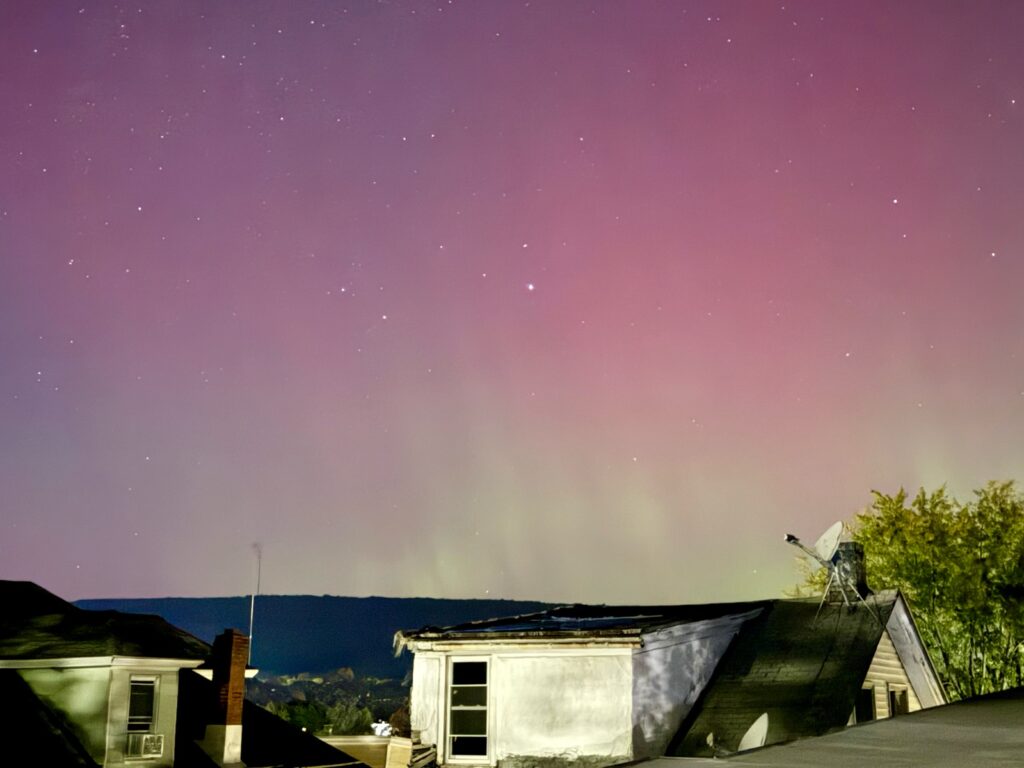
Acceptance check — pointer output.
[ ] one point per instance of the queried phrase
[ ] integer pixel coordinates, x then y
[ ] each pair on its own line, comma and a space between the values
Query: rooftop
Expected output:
583, 620
36, 624
984, 731
801, 667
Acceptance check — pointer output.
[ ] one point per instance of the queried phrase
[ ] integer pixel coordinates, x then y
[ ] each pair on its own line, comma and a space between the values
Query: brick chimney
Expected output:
849, 564
223, 738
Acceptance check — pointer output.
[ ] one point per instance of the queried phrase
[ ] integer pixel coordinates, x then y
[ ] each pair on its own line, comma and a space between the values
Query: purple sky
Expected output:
558, 300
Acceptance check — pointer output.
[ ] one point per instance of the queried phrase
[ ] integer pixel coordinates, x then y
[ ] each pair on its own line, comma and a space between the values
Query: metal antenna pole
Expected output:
258, 548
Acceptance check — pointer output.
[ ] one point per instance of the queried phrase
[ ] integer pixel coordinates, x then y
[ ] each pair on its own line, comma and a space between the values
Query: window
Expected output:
864, 709
898, 702
467, 711
141, 704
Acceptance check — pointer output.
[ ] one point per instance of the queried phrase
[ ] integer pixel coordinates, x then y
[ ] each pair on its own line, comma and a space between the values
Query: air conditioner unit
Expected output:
145, 745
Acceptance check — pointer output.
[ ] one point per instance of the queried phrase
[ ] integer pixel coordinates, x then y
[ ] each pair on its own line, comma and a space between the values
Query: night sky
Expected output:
571, 301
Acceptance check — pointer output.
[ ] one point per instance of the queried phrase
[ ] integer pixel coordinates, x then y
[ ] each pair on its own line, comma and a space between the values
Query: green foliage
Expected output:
961, 568
310, 715
400, 721
346, 698
341, 719
346, 719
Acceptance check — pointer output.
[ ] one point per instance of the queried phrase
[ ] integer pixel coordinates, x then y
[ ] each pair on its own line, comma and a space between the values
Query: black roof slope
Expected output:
804, 673
579, 620
267, 740
36, 624
32, 733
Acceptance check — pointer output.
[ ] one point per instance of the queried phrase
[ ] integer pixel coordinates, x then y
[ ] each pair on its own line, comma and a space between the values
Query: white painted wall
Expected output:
427, 697
81, 694
92, 694
166, 714
551, 703
568, 705
608, 702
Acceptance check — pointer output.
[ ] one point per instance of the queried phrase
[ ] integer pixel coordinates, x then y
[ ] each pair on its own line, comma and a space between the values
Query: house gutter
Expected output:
430, 641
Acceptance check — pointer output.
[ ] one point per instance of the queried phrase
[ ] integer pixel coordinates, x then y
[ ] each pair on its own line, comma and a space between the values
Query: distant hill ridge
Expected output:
306, 633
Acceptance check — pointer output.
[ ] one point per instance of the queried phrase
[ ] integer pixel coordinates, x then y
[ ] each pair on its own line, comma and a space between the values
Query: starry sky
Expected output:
570, 301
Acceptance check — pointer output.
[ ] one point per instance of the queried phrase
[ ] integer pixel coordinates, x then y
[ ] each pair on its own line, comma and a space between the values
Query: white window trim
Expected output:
155, 679
484, 759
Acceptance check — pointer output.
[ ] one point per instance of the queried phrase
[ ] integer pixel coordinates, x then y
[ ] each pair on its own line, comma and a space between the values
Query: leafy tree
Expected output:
348, 719
400, 720
309, 715
961, 568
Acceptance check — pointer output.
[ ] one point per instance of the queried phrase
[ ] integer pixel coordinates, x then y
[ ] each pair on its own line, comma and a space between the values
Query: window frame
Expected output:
153, 682
450, 756
898, 694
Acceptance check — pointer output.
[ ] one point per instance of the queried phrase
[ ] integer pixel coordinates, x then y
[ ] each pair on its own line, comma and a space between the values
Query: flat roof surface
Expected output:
570, 620
985, 731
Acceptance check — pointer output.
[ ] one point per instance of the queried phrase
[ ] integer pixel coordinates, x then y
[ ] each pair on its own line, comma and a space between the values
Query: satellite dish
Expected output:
756, 735
828, 542
839, 572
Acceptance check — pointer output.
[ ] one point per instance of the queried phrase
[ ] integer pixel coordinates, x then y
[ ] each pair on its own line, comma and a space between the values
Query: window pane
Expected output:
140, 705
469, 673
469, 745
469, 722
475, 696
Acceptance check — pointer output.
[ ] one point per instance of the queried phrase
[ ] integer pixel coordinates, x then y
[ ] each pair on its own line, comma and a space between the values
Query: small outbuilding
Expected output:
597, 685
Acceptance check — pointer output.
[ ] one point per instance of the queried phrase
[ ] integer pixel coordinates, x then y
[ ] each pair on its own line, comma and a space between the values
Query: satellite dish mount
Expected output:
840, 578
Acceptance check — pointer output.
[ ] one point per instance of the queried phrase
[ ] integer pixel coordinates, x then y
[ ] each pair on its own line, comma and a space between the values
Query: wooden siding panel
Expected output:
886, 670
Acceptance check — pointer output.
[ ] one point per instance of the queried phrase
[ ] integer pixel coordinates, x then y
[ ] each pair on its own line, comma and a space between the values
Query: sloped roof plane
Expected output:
802, 668
36, 624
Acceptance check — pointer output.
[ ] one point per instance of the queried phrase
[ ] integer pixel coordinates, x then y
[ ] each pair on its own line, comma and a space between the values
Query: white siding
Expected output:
886, 671
427, 697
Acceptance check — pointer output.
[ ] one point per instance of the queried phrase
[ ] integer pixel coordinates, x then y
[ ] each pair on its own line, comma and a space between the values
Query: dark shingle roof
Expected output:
32, 733
267, 740
36, 624
804, 672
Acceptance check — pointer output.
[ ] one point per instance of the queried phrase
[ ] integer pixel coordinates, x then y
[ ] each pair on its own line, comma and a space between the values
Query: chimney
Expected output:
849, 564
223, 738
